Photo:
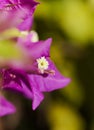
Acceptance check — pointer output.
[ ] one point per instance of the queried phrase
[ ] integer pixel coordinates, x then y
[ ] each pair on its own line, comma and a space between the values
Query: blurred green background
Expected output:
71, 25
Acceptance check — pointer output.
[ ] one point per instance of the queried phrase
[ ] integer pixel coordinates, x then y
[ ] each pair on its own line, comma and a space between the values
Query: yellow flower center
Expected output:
42, 64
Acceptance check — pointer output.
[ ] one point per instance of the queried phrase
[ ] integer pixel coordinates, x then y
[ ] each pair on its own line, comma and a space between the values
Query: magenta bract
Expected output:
6, 107
42, 77
19, 11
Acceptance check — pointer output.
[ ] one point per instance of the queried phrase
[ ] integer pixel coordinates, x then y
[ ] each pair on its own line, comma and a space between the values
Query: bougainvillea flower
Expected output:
6, 107
16, 80
42, 77
26, 7
15, 19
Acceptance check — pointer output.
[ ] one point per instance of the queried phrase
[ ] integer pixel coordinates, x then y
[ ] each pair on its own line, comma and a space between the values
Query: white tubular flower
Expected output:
42, 64
34, 37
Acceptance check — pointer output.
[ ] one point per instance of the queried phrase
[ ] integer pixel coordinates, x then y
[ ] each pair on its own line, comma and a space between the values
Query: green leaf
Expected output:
9, 51
10, 33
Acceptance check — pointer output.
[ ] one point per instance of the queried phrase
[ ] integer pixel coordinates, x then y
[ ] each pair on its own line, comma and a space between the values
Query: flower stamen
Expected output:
52, 72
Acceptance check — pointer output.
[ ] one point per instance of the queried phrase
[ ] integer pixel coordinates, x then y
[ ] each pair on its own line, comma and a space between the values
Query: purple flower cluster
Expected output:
36, 78
20, 12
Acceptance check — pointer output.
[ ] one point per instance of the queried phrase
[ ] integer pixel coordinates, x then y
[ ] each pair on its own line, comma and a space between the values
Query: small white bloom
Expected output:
34, 37
42, 64
24, 33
